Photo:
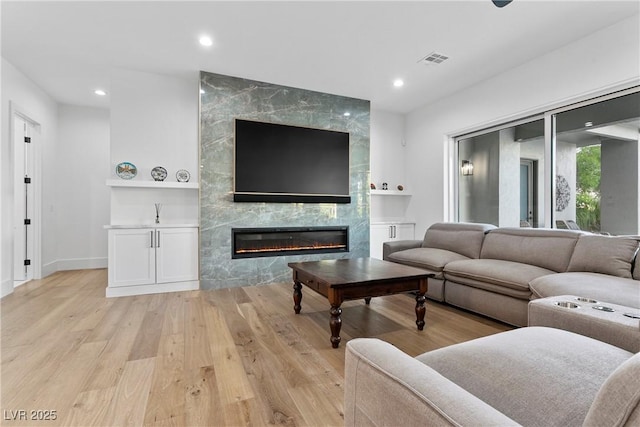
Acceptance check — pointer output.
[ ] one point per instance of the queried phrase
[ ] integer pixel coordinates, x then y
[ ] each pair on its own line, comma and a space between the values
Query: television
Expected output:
290, 164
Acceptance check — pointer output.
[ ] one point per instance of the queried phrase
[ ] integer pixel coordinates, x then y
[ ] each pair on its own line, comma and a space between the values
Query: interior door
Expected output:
527, 193
23, 200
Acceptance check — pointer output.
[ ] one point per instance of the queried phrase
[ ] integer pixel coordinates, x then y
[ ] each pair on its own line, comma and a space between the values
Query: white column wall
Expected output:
572, 71
83, 197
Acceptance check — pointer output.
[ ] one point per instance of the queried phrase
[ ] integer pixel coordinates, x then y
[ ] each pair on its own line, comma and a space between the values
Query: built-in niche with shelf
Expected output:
152, 184
389, 220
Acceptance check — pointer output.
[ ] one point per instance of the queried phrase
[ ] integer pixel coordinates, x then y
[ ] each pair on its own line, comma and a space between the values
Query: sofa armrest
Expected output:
399, 245
385, 386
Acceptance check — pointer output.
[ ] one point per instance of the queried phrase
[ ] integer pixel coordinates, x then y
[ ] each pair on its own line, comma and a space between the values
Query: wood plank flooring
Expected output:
228, 357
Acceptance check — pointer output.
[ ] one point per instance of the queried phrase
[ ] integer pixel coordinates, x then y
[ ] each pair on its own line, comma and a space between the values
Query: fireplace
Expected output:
264, 242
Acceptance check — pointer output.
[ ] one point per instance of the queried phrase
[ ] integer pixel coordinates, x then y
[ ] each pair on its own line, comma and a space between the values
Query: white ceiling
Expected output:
350, 48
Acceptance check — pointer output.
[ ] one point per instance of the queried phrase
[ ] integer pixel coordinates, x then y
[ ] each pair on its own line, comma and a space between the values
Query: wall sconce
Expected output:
466, 168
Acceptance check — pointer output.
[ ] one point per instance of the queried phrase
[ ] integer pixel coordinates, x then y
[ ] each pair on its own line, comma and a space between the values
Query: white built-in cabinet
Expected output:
388, 232
146, 259
388, 219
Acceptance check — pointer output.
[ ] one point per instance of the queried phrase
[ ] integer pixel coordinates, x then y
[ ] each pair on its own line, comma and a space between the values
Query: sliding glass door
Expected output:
500, 174
596, 166
582, 173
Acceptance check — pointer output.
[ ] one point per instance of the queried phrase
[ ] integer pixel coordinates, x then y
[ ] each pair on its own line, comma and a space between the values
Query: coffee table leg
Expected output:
420, 310
367, 300
297, 297
335, 324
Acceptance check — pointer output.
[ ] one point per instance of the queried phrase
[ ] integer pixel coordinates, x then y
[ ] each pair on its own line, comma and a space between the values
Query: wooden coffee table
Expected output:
344, 279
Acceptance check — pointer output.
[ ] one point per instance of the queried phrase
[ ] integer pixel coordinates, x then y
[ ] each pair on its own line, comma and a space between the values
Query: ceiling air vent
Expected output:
434, 58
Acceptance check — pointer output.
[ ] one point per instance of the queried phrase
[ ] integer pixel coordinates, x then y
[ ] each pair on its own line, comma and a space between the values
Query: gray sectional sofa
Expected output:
497, 271
532, 376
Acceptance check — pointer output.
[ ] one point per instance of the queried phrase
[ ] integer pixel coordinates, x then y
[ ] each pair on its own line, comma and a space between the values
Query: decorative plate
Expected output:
158, 173
126, 170
563, 193
183, 176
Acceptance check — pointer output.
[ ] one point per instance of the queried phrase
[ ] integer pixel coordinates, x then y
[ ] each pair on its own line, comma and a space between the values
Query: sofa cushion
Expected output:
636, 270
510, 278
431, 259
545, 248
386, 387
534, 366
600, 287
604, 254
618, 401
463, 238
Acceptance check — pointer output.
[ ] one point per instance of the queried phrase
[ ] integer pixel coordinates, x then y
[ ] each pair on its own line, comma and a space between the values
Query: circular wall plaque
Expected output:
158, 173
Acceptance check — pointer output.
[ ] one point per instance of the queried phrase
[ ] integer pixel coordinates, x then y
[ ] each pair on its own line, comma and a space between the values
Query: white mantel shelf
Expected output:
150, 225
152, 184
389, 193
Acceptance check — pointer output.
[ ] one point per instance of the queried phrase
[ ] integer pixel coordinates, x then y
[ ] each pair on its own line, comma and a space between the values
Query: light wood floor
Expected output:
228, 357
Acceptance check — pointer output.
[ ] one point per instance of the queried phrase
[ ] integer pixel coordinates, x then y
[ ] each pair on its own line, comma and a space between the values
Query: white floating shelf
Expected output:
152, 184
389, 193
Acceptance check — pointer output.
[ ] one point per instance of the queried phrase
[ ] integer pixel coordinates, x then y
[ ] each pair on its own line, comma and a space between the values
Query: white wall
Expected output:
29, 99
83, 197
387, 149
154, 122
575, 70
388, 164
509, 179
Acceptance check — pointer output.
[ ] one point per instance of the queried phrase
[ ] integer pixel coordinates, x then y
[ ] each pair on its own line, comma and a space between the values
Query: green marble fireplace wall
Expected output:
224, 98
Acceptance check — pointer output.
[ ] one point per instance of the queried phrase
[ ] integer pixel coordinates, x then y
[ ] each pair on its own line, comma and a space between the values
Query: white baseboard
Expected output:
73, 264
81, 264
158, 288
6, 288
48, 269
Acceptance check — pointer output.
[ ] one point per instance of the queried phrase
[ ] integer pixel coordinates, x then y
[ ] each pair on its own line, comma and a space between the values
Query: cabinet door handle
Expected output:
391, 231
151, 239
158, 239
395, 232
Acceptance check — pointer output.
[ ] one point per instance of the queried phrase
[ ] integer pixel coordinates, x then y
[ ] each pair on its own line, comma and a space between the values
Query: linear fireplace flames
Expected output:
263, 242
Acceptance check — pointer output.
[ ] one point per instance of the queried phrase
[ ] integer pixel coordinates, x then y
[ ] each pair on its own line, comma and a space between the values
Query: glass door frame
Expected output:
454, 166
549, 116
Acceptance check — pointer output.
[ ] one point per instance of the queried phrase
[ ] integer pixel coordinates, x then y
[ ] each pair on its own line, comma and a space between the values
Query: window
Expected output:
582, 175
507, 165
597, 166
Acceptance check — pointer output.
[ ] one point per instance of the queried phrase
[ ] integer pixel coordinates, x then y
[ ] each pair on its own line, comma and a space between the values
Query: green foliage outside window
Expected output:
588, 188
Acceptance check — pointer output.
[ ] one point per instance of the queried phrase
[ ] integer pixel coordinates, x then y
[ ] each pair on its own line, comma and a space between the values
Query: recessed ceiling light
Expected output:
588, 124
346, 114
206, 41
398, 83
100, 92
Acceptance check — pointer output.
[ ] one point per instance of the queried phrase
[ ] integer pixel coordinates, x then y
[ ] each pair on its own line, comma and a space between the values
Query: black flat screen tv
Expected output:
290, 164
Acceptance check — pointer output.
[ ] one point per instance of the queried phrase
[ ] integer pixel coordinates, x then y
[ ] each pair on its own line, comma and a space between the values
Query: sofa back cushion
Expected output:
618, 400
460, 237
546, 248
604, 254
636, 261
